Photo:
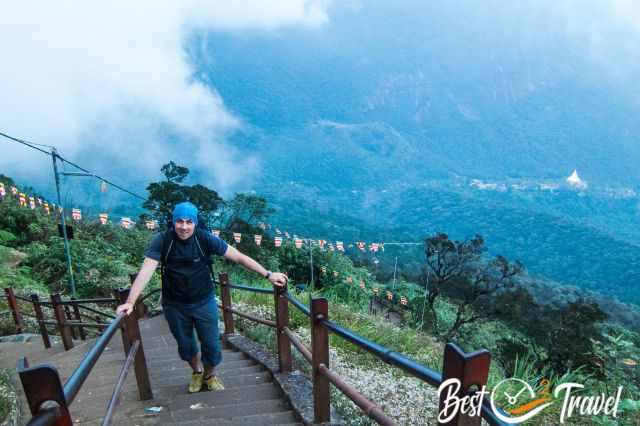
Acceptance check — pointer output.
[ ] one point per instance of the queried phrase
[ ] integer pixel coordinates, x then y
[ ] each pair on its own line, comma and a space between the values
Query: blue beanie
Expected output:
185, 210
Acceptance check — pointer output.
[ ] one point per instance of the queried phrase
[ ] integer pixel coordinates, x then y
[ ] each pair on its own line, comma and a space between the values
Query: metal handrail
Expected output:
87, 324
298, 304
113, 402
95, 311
96, 301
387, 355
253, 289
74, 383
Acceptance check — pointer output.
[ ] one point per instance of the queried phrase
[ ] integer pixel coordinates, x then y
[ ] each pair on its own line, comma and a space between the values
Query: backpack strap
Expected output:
167, 244
205, 254
203, 248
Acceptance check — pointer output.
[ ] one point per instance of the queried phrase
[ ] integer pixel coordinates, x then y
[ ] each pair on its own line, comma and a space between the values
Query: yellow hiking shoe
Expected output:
196, 382
213, 383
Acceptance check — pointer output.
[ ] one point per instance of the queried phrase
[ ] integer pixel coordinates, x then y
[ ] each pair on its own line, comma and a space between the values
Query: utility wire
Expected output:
101, 178
29, 144
64, 160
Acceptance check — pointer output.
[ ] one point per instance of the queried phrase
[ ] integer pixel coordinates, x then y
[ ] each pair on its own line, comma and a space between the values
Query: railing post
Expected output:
225, 295
76, 314
15, 309
282, 321
320, 355
42, 384
40, 318
139, 307
140, 363
72, 328
58, 312
471, 370
98, 320
126, 344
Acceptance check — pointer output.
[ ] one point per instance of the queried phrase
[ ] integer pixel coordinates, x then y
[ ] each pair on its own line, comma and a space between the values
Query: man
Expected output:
188, 298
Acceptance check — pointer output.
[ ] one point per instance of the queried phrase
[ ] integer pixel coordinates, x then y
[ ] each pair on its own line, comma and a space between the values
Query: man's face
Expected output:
184, 228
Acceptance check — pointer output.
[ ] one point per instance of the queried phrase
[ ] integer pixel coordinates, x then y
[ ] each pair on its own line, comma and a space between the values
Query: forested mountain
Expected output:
382, 119
392, 120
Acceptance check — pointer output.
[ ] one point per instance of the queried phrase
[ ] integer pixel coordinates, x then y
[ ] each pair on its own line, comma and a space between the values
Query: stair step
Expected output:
250, 413
232, 381
83, 408
282, 418
184, 374
226, 412
173, 356
250, 397
103, 387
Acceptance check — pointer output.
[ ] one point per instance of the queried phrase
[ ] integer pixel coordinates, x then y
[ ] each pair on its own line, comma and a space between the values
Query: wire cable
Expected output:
29, 144
64, 160
101, 178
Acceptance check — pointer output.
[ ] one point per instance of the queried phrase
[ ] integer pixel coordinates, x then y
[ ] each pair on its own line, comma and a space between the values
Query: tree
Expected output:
173, 172
245, 208
563, 337
164, 195
457, 270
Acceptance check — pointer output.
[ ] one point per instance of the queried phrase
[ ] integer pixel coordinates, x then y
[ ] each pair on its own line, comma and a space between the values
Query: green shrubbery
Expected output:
528, 338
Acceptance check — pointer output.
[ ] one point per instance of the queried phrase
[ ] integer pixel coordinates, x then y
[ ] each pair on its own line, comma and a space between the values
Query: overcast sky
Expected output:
110, 84
110, 80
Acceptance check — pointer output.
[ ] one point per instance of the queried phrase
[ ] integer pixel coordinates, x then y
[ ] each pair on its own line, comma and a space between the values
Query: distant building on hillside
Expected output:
575, 181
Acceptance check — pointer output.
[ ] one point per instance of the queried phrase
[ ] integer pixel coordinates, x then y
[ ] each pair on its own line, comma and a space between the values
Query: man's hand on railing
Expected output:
278, 279
125, 308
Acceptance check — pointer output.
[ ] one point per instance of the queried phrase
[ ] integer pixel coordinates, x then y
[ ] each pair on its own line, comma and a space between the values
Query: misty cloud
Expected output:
110, 85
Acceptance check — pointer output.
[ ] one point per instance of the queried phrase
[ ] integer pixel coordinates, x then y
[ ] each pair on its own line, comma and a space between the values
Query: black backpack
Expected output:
205, 255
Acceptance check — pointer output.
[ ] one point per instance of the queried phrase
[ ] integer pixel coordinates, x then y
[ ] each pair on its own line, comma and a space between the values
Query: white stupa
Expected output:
575, 181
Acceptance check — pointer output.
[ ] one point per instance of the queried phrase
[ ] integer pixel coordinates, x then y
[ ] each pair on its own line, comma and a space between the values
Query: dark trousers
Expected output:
183, 318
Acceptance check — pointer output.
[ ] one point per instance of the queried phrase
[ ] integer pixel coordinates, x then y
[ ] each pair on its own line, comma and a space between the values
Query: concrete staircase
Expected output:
250, 396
